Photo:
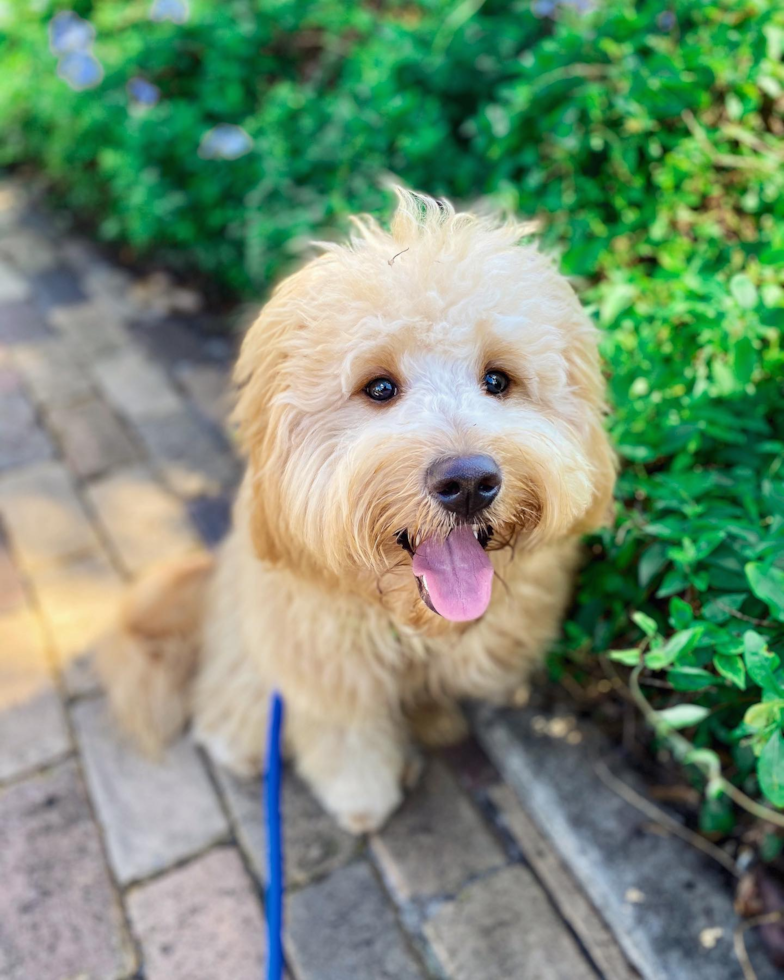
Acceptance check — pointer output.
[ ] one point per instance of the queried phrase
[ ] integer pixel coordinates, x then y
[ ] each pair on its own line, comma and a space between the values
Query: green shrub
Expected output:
648, 139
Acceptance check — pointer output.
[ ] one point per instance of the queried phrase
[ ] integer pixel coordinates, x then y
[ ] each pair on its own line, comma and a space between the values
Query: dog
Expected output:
422, 414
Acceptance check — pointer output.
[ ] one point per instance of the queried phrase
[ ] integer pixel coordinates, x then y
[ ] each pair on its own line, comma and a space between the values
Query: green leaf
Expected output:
759, 716
678, 644
646, 624
732, 669
683, 715
651, 563
681, 613
767, 584
690, 678
674, 581
760, 662
719, 610
770, 769
629, 657
616, 298
744, 291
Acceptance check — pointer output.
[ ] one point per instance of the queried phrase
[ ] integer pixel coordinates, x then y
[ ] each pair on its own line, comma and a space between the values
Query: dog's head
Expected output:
416, 399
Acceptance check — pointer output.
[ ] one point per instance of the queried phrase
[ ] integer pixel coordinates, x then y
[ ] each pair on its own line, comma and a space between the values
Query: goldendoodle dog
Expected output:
422, 414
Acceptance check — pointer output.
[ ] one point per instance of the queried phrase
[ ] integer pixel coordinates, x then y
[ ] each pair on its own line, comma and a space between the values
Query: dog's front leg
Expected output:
356, 769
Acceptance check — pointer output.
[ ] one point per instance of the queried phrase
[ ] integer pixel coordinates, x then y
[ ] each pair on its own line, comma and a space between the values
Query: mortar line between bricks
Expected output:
220, 432
115, 559
94, 394
77, 697
33, 603
36, 772
553, 902
127, 574
76, 755
82, 485
257, 884
516, 856
43, 411
116, 887
220, 840
32, 600
412, 932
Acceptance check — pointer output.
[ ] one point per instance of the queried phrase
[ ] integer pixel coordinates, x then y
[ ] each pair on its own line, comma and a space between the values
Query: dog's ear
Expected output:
260, 380
586, 377
601, 512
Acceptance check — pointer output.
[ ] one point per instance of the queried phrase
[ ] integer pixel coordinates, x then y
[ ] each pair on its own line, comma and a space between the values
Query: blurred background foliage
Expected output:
645, 136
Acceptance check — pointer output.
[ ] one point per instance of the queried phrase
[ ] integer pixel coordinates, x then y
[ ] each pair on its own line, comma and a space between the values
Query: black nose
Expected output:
464, 485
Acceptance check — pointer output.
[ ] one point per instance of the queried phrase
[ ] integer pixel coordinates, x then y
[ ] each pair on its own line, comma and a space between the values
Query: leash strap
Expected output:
272, 809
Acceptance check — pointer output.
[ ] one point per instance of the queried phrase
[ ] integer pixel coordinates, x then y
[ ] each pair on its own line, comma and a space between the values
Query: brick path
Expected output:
113, 456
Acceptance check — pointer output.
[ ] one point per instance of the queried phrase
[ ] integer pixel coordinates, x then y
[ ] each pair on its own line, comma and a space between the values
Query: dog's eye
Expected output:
381, 389
496, 382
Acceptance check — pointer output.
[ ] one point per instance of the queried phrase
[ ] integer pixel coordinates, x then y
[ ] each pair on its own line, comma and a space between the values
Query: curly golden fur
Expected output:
312, 592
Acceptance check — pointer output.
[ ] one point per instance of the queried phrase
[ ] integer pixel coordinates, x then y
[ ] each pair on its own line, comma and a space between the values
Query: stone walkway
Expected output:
113, 455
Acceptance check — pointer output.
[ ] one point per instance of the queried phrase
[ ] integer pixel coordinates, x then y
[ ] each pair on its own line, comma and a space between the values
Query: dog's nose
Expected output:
464, 485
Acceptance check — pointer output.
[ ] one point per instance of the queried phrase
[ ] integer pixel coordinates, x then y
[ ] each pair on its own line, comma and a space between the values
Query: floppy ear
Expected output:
586, 377
258, 416
601, 511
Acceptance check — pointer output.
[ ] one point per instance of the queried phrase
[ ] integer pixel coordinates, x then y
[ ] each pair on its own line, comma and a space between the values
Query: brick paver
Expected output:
28, 250
137, 387
22, 440
13, 286
145, 523
436, 841
154, 812
207, 386
32, 721
78, 602
92, 439
11, 587
21, 323
59, 916
113, 866
187, 455
53, 370
92, 326
200, 922
56, 287
504, 927
568, 897
343, 928
315, 845
45, 519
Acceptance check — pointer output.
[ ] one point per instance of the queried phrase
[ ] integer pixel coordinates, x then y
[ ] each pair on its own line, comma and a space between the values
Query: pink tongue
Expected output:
458, 574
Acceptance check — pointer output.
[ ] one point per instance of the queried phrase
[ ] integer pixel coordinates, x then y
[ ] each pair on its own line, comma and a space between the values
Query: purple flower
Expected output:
68, 32
80, 69
174, 10
549, 8
142, 92
225, 142
666, 20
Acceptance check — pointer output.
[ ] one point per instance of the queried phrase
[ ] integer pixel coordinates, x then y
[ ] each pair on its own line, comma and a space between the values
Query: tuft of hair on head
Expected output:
420, 219
419, 214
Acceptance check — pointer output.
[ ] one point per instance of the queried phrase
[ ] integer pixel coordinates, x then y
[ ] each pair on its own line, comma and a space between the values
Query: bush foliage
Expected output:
647, 137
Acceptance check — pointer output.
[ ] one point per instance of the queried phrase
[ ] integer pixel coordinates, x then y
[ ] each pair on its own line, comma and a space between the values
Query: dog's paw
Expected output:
361, 803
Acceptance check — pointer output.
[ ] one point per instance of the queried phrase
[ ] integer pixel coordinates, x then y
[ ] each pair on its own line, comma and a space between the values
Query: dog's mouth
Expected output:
454, 575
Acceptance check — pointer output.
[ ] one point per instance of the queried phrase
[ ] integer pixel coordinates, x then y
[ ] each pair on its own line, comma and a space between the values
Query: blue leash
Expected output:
274, 895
